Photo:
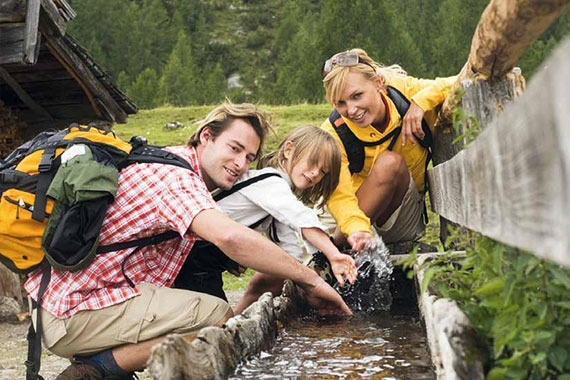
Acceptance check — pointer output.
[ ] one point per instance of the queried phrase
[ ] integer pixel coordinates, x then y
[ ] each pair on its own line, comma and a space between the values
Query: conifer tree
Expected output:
144, 89
181, 82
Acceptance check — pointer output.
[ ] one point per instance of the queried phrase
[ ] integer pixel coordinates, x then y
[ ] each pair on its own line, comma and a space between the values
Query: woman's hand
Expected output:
358, 239
344, 267
412, 124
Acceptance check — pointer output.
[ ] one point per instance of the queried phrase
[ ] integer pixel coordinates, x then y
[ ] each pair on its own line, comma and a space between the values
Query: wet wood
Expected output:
512, 183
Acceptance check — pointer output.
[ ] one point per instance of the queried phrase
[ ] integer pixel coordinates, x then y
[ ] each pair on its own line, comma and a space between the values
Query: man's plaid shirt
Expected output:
151, 199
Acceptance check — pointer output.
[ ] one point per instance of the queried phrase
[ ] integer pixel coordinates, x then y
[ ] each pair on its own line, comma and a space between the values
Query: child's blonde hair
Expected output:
335, 80
319, 145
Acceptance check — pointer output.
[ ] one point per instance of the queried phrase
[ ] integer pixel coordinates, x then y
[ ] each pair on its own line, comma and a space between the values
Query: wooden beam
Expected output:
87, 80
505, 31
31, 34
513, 183
22, 94
51, 14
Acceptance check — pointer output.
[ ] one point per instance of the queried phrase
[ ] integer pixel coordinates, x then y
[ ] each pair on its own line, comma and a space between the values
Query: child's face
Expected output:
304, 175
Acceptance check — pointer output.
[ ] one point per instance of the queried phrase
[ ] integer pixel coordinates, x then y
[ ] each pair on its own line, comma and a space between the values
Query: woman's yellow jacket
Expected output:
427, 94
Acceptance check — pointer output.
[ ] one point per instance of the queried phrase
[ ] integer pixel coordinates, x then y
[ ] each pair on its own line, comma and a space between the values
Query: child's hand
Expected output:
358, 239
344, 267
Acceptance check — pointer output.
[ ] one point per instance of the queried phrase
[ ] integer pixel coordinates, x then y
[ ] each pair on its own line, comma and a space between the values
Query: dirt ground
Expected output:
13, 351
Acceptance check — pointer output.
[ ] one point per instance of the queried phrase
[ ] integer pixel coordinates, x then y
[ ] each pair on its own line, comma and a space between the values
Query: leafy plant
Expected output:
519, 303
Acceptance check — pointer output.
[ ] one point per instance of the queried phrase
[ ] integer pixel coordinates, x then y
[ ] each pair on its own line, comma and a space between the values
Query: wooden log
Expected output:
216, 352
512, 183
506, 29
457, 351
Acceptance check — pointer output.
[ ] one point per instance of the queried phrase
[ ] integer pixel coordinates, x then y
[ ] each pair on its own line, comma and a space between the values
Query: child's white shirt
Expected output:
270, 201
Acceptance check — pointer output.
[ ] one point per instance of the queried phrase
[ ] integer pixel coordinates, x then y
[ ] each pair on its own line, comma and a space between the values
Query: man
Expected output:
108, 326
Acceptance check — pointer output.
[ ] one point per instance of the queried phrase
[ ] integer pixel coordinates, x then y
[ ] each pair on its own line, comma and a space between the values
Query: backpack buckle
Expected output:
47, 158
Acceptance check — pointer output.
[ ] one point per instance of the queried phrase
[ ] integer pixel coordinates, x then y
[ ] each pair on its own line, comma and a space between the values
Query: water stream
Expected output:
383, 340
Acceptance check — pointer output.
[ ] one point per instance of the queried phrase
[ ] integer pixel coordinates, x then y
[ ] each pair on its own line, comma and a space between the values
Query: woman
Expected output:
378, 123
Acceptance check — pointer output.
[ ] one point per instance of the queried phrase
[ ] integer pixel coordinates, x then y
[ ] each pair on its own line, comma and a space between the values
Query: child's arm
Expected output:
343, 266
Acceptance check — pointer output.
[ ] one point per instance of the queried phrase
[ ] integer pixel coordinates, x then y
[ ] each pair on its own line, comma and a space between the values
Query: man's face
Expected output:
226, 158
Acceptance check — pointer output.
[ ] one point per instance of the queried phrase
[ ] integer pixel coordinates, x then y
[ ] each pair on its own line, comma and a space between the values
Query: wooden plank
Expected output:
31, 35
12, 11
506, 29
51, 15
90, 84
26, 98
512, 184
12, 43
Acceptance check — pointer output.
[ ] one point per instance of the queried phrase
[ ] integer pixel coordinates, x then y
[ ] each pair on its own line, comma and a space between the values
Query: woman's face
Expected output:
360, 102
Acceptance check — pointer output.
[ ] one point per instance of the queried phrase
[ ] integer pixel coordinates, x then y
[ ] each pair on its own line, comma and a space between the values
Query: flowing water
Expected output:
383, 340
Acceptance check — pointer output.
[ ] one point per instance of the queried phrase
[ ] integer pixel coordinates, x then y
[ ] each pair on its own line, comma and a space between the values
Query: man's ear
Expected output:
205, 135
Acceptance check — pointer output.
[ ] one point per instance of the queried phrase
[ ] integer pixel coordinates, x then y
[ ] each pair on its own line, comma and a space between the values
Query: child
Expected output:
304, 168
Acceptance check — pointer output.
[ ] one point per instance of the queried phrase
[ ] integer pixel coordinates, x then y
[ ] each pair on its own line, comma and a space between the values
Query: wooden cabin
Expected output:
47, 80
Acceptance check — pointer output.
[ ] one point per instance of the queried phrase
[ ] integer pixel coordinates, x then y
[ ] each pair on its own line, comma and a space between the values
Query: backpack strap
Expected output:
353, 146
154, 155
402, 105
34, 337
223, 194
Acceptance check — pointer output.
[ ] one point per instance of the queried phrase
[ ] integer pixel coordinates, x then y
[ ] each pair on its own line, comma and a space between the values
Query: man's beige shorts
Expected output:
155, 312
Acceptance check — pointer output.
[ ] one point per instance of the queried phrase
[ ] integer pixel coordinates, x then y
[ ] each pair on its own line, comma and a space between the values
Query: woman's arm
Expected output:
342, 265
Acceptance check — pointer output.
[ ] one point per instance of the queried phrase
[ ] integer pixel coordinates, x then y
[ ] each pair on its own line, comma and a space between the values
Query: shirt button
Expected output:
372, 134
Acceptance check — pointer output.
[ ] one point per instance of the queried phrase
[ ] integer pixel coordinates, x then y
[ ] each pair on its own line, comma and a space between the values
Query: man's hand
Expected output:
358, 239
343, 266
412, 124
324, 298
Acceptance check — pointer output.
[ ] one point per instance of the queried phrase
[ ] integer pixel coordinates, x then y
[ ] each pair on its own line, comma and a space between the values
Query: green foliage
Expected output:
518, 302
144, 89
276, 46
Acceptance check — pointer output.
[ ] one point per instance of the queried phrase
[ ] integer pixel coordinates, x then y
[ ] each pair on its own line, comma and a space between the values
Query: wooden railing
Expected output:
513, 183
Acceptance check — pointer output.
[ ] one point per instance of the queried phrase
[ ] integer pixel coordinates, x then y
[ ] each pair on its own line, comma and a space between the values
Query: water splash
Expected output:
371, 291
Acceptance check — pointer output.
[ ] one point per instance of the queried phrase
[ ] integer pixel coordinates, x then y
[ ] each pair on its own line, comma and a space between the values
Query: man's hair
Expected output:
221, 116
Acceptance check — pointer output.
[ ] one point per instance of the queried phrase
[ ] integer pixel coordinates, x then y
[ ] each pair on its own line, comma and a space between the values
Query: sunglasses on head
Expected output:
344, 59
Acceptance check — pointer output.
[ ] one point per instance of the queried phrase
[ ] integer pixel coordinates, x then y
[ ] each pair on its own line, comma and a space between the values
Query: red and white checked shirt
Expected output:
151, 199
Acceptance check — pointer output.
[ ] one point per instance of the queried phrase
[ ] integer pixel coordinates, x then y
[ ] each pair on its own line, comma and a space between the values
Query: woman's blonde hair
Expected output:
220, 117
321, 148
335, 80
